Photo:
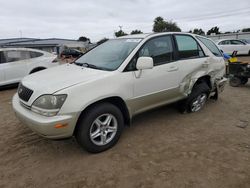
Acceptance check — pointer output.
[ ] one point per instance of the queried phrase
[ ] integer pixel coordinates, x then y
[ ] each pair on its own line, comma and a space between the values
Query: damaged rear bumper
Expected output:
220, 84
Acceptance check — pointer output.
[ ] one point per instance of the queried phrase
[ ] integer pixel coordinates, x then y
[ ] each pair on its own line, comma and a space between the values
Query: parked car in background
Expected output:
230, 45
15, 63
71, 53
96, 96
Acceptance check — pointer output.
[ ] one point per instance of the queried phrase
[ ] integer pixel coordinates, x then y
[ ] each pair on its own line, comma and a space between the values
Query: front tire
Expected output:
100, 127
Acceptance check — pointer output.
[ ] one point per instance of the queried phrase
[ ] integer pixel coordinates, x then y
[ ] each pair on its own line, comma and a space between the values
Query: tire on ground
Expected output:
243, 80
86, 120
235, 81
198, 90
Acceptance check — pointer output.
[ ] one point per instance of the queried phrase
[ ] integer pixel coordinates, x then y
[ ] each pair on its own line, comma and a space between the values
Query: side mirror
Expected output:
144, 63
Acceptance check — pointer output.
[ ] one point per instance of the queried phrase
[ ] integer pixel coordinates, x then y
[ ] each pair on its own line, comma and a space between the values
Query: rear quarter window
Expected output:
211, 46
35, 54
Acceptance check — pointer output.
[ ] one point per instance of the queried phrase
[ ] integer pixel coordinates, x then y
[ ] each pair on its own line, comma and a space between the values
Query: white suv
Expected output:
15, 63
96, 96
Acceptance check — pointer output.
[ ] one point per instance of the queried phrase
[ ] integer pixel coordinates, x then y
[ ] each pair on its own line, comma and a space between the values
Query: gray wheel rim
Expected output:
199, 102
103, 129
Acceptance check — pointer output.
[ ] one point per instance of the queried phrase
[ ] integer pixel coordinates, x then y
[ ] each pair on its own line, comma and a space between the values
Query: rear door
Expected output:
16, 66
191, 59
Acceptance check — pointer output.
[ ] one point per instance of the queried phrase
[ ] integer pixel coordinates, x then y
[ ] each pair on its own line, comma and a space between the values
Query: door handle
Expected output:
205, 64
172, 68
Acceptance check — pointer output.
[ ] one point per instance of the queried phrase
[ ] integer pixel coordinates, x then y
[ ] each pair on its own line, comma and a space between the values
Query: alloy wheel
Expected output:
103, 129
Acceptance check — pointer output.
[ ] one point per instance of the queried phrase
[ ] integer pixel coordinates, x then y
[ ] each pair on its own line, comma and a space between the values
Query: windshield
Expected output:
109, 55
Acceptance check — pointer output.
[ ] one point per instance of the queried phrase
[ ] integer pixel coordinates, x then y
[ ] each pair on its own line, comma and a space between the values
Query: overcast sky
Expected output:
99, 18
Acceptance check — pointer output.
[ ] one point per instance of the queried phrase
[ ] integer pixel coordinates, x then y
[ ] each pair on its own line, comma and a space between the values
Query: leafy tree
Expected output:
160, 25
213, 30
246, 30
198, 31
102, 41
84, 39
228, 32
136, 32
120, 33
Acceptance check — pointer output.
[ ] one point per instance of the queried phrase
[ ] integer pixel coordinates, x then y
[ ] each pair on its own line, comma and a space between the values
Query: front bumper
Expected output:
45, 126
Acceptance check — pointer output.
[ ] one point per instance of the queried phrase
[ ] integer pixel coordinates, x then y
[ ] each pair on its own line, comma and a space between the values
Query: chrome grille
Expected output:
24, 93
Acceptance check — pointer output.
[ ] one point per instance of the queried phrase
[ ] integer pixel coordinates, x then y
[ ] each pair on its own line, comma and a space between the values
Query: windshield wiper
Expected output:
91, 66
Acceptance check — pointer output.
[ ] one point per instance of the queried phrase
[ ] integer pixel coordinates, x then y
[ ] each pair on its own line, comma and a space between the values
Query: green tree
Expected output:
215, 30
160, 25
198, 31
120, 33
84, 39
102, 41
246, 30
136, 32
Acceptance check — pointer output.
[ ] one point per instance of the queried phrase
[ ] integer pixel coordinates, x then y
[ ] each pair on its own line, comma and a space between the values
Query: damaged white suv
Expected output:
93, 98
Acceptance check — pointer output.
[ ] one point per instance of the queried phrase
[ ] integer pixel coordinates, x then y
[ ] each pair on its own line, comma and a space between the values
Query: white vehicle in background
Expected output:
228, 46
15, 63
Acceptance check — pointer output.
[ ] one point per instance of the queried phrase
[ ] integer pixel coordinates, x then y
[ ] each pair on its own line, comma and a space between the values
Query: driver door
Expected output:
159, 85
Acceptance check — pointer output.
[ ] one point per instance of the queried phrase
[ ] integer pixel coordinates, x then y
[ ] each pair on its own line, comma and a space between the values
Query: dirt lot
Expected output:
162, 148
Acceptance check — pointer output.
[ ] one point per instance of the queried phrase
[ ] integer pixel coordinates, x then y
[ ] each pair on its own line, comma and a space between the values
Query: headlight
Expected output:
48, 105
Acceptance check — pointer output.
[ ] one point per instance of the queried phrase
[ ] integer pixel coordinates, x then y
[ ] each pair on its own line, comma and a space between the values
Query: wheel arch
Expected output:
115, 100
36, 69
204, 78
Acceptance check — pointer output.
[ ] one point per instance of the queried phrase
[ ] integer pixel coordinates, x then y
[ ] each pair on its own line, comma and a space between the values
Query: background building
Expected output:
53, 45
243, 35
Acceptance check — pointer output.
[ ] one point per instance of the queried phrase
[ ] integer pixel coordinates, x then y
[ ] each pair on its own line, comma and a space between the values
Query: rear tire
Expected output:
244, 80
235, 81
100, 127
197, 99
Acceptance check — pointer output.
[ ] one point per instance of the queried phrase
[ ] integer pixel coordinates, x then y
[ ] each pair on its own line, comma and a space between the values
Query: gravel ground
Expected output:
162, 148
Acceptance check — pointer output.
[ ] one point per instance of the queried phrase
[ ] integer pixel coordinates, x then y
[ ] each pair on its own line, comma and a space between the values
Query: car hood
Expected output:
55, 79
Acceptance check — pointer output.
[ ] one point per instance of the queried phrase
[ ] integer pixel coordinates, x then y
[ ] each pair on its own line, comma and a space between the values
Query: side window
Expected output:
211, 46
237, 42
35, 54
14, 55
188, 47
2, 58
160, 49
225, 42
